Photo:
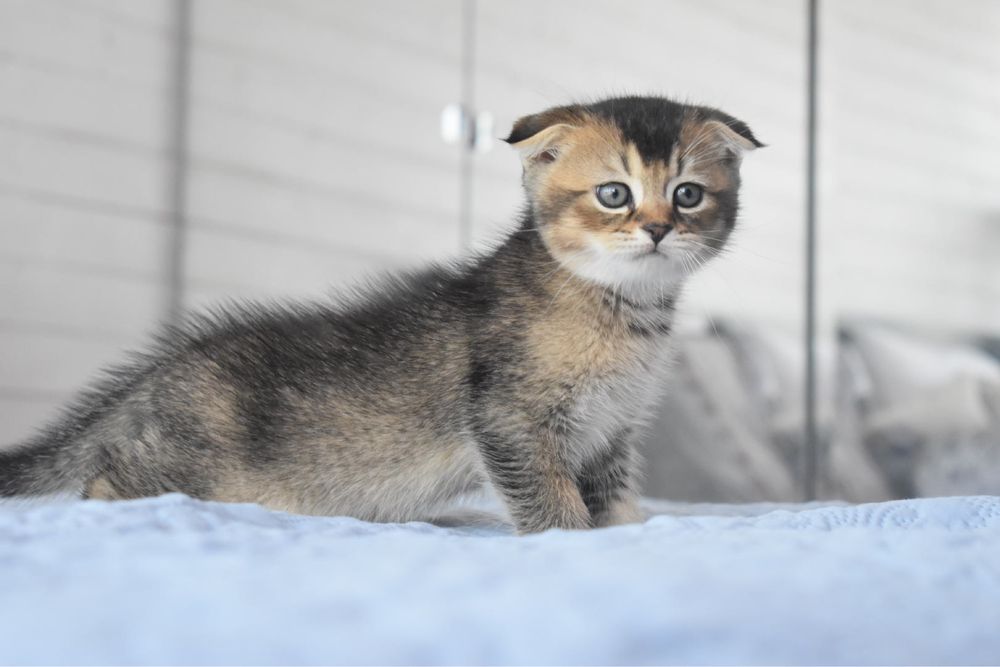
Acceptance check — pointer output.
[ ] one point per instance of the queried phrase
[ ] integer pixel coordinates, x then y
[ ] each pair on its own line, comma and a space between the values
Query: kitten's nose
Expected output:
657, 231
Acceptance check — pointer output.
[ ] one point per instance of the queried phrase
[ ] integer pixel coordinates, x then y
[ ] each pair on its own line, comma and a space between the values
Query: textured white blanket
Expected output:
176, 581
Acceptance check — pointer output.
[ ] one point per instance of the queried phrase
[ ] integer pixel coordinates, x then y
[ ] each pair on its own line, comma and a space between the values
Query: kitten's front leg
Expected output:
608, 484
538, 489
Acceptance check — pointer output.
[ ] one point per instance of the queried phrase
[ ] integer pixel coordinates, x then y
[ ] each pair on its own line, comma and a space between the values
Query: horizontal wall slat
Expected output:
42, 162
73, 296
348, 220
55, 363
50, 32
24, 415
42, 98
52, 232
270, 269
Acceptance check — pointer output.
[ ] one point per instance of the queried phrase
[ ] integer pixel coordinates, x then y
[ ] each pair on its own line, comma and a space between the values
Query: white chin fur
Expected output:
632, 269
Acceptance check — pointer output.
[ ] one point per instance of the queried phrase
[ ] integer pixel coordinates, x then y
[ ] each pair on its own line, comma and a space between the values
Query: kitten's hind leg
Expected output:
608, 484
100, 489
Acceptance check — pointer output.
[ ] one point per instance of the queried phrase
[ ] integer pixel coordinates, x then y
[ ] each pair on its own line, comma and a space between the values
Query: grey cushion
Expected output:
930, 420
944, 441
706, 442
849, 471
773, 363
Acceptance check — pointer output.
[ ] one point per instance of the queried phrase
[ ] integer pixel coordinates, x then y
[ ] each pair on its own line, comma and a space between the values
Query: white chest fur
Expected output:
621, 402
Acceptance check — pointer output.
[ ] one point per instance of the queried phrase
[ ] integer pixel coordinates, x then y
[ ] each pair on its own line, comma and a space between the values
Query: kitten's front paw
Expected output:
620, 513
562, 524
569, 518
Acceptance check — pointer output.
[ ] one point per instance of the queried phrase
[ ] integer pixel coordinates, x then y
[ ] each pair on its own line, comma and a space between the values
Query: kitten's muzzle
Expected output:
657, 231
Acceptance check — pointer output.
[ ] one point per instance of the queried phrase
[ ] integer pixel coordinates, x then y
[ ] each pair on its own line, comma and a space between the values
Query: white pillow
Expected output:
903, 367
955, 407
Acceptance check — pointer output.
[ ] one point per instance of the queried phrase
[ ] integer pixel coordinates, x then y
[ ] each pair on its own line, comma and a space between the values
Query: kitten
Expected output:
528, 368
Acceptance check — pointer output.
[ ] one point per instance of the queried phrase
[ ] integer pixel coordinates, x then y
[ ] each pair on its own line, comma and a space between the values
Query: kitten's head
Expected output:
632, 192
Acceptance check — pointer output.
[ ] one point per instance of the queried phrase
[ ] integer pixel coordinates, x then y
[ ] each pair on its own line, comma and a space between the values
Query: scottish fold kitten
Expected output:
528, 368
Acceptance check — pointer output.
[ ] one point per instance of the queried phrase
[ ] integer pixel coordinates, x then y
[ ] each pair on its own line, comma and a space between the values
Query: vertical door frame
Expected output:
178, 148
811, 455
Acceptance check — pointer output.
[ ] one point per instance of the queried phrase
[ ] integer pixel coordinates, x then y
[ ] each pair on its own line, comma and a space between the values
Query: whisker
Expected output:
558, 292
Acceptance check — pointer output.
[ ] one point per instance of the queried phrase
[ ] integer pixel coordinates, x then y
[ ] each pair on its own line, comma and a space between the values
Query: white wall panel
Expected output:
40, 370
52, 363
910, 163
39, 98
89, 38
314, 142
278, 269
83, 196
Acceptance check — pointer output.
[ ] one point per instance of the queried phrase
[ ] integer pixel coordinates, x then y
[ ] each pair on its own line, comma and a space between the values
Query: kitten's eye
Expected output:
614, 195
687, 195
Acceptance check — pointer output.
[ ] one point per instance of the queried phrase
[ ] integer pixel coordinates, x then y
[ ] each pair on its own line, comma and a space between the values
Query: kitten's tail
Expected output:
69, 453
43, 466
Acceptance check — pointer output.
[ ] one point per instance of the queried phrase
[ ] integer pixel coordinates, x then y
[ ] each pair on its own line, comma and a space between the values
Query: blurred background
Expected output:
161, 155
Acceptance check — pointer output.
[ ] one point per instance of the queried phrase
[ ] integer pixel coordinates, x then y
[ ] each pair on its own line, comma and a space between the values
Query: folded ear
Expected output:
538, 137
735, 134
